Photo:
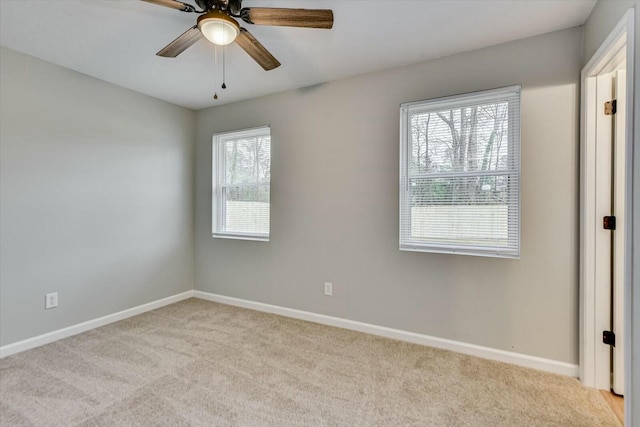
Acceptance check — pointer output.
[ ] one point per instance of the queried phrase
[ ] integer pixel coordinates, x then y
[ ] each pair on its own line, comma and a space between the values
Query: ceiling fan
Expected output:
216, 23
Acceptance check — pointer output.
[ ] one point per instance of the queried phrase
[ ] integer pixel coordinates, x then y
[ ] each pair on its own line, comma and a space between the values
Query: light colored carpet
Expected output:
207, 364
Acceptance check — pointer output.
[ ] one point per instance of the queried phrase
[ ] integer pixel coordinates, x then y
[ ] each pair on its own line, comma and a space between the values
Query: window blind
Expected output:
241, 184
460, 174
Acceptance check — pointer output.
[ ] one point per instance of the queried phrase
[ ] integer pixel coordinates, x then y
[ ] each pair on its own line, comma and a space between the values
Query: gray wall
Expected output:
96, 184
334, 214
603, 19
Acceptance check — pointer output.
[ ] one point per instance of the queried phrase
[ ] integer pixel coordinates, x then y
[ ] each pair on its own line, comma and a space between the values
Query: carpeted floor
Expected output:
206, 364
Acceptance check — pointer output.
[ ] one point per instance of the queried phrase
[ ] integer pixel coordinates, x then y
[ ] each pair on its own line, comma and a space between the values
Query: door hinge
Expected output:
609, 222
610, 107
609, 338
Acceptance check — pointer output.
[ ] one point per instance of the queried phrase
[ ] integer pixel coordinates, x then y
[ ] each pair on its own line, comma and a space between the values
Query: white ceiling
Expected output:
116, 40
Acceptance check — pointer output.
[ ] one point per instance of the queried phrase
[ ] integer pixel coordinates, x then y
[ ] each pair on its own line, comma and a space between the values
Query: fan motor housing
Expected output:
233, 6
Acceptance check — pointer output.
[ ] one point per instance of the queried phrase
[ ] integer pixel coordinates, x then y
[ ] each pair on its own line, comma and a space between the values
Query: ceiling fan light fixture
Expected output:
218, 27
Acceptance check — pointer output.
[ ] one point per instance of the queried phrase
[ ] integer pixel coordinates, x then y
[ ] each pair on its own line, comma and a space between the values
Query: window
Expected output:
241, 184
460, 174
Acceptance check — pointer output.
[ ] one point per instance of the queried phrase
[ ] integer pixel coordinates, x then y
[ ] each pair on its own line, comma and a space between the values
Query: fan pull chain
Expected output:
215, 70
224, 78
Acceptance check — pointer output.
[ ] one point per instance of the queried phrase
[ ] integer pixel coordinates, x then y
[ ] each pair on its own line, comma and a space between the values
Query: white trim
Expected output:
534, 362
620, 236
238, 236
631, 414
527, 361
245, 132
592, 367
50, 337
463, 99
609, 49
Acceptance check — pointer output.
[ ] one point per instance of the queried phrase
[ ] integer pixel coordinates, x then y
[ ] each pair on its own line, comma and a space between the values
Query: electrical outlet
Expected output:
328, 288
50, 300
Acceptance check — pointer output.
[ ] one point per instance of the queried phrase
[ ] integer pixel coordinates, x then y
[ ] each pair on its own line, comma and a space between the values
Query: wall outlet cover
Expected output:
328, 288
51, 300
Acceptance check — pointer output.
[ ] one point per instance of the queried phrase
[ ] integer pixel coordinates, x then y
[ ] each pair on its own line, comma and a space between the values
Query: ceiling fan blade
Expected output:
307, 18
255, 50
173, 4
182, 43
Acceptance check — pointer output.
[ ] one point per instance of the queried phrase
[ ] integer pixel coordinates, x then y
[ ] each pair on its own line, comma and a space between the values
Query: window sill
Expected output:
471, 251
253, 237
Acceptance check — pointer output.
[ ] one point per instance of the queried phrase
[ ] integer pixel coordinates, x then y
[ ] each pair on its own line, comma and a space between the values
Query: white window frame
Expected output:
218, 159
514, 211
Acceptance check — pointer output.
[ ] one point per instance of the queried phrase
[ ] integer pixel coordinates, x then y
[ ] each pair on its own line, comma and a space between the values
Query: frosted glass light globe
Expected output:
218, 28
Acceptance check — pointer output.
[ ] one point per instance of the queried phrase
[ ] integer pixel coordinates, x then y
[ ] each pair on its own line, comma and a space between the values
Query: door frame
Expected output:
594, 361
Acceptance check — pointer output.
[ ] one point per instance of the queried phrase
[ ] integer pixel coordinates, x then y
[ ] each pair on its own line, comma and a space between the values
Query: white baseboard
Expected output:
49, 337
525, 360
534, 362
